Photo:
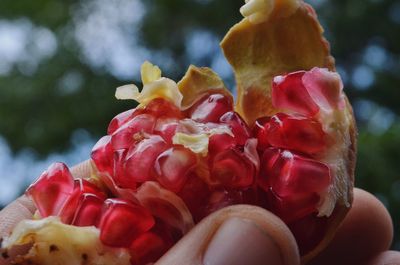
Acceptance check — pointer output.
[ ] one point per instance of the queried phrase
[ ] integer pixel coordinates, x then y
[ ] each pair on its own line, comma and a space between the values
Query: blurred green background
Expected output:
60, 62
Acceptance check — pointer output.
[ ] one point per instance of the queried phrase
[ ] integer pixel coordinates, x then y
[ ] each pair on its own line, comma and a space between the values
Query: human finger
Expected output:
240, 234
366, 231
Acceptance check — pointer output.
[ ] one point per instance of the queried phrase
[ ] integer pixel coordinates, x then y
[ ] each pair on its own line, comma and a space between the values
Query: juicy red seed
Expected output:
52, 189
325, 88
239, 128
292, 207
88, 210
195, 193
223, 198
148, 248
81, 187
173, 166
160, 107
102, 154
260, 131
151, 245
119, 175
289, 93
210, 108
232, 169
122, 222
166, 128
220, 142
120, 120
293, 132
288, 174
132, 131
139, 161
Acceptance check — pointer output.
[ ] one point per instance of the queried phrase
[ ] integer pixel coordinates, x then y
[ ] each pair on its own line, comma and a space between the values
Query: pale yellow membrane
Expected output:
56, 243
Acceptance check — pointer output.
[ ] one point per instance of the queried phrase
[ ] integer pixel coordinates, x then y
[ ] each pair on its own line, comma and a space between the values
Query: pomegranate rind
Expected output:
276, 38
280, 45
53, 242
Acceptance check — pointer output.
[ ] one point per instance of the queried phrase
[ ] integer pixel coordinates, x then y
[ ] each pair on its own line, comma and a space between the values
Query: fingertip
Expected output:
82, 170
238, 234
366, 231
20, 209
386, 258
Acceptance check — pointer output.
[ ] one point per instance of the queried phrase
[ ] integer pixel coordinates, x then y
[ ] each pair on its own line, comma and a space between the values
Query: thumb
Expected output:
236, 235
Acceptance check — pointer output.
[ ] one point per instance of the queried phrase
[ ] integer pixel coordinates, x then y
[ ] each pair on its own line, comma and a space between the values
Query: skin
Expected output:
363, 239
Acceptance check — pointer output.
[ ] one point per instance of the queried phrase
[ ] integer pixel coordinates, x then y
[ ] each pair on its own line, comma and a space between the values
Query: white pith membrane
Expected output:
57, 243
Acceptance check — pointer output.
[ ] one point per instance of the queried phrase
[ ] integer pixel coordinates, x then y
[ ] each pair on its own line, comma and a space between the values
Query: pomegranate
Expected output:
186, 151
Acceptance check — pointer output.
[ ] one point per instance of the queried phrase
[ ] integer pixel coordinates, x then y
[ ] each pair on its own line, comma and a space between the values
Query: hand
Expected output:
250, 235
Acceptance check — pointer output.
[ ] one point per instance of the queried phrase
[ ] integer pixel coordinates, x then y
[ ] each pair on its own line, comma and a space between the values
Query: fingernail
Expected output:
241, 242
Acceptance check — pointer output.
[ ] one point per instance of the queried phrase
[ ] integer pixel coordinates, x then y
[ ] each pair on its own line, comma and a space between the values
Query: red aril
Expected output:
290, 94
173, 167
289, 174
132, 131
162, 108
88, 211
239, 128
102, 155
139, 161
231, 168
122, 222
166, 128
81, 188
210, 108
52, 189
120, 120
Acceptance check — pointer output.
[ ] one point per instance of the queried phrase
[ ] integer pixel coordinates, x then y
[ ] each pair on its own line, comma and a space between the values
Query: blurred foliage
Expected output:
365, 39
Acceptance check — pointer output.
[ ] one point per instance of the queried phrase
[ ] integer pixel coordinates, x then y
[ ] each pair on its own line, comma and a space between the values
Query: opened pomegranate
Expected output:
186, 151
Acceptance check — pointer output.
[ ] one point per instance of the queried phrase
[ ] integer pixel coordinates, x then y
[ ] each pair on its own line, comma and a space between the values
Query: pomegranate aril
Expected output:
195, 193
325, 88
260, 131
81, 187
173, 166
148, 248
132, 131
289, 93
88, 210
220, 142
52, 189
120, 120
160, 107
232, 169
222, 198
289, 174
239, 128
292, 207
292, 132
210, 108
102, 155
151, 245
139, 161
122, 222
166, 128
